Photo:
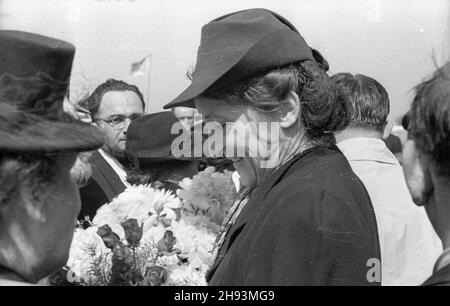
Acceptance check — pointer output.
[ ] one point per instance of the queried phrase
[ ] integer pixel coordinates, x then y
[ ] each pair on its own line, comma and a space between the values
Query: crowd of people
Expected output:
338, 206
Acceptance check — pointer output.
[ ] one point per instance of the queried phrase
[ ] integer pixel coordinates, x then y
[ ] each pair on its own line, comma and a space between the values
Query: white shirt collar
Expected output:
366, 148
117, 167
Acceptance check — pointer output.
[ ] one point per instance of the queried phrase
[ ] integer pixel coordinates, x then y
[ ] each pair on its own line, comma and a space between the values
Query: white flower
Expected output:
153, 234
137, 202
86, 246
167, 216
191, 239
186, 276
209, 192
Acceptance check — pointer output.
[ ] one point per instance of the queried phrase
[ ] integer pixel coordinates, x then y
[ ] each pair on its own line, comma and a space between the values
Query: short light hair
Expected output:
367, 100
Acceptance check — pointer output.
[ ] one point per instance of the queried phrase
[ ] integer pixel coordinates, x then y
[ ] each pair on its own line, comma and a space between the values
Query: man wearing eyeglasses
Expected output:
113, 105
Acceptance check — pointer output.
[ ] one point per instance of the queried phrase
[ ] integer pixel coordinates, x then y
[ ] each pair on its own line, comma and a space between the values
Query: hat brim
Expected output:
260, 58
145, 162
157, 155
186, 98
26, 133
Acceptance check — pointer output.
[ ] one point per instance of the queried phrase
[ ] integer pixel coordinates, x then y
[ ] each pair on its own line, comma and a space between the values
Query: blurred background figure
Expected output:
427, 161
149, 151
409, 245
113, 106
81, 170
186, 115
80, 112
394, 144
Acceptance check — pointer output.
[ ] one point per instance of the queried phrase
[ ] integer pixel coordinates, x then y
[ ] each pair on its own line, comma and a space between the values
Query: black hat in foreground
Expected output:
239, 45
34, 77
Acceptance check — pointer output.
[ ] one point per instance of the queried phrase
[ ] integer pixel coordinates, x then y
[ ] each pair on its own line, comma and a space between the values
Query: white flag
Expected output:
142, 67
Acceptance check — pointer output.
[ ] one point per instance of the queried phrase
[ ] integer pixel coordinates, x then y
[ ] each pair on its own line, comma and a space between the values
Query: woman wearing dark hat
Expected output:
39, 202
309, 219
148, 148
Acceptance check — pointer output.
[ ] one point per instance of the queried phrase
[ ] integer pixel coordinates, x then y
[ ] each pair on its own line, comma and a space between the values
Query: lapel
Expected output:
106, 177
255, 201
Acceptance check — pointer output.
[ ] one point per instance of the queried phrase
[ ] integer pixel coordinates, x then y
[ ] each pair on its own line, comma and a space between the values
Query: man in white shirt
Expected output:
113, 105
409, 244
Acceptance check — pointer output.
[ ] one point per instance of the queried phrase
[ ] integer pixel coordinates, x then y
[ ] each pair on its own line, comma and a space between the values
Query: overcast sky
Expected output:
390, 40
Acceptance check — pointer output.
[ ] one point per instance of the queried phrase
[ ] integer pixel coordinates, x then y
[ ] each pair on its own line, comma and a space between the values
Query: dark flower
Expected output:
155, 276
133, 233
110, 238
165, 245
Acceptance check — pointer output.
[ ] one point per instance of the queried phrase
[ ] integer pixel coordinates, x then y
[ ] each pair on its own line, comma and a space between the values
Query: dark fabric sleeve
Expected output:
92, 198
313, 237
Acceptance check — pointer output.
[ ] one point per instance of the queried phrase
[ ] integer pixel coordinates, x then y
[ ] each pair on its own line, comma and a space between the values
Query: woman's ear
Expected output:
290, 111
25, 204
33, 204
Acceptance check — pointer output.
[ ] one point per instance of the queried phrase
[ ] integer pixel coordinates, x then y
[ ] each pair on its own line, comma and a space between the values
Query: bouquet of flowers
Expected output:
149, 236
142, 238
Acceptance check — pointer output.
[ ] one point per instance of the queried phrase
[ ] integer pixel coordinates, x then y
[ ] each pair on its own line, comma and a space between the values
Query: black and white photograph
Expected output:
199, 144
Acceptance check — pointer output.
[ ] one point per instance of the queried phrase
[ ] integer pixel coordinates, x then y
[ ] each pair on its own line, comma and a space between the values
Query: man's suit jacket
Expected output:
310, 223
103, 186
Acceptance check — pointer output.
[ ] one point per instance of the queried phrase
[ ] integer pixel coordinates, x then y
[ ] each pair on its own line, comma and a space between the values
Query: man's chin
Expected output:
115, 151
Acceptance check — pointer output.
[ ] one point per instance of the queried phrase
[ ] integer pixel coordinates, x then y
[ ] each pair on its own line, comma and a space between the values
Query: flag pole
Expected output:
149, 59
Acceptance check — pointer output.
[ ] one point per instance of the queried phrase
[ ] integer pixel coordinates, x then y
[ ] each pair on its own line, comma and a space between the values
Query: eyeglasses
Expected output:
117, 122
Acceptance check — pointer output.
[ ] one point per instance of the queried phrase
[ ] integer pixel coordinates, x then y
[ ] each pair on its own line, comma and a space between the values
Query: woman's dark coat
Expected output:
310, 223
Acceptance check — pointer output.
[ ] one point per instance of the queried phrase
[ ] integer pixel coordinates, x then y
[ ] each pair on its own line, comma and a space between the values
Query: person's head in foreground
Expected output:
291, 90
113, 106
427, 152
39, 202
368, 106
149, 152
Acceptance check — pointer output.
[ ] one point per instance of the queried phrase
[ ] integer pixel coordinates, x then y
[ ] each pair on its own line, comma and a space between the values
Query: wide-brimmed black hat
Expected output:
34, 77
149, 138
240, 45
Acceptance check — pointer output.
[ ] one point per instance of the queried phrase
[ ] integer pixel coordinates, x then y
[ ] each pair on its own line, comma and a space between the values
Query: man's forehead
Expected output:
120, 103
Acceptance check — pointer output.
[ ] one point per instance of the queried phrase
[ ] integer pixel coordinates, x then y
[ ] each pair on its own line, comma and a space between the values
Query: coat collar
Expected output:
261, 191
367, 149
